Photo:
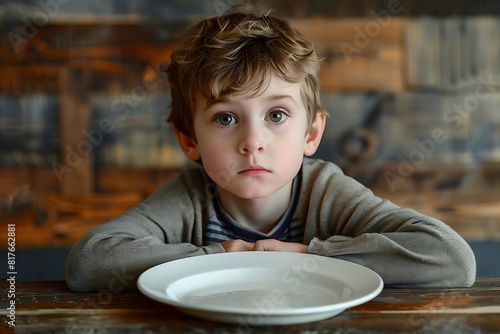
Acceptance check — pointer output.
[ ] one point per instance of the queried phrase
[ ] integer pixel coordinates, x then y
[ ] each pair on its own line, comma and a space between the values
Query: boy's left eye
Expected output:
225, 119
276, 116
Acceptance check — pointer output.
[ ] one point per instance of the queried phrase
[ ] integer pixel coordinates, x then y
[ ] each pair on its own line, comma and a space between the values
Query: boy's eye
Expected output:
225, 119
276, 116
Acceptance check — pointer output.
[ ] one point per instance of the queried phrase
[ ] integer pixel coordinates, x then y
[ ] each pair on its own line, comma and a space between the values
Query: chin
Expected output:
253, 194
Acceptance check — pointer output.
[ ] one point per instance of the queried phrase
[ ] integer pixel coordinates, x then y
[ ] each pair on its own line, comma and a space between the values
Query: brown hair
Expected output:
237, 52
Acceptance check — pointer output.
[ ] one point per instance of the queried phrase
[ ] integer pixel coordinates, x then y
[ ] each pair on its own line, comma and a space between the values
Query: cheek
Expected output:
294, 152
295, 157
290, 147
294, 138
212, 146
213, 156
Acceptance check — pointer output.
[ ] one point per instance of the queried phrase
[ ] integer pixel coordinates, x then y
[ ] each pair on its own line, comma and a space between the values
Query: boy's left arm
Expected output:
347, 221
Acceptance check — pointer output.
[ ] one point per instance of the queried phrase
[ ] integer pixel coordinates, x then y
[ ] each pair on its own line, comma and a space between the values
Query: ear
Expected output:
187, 144
313, 138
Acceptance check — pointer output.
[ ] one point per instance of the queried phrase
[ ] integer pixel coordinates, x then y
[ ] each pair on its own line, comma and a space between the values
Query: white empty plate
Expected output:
261, 288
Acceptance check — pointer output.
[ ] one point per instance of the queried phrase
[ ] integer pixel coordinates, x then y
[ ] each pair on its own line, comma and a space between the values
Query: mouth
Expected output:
254, 170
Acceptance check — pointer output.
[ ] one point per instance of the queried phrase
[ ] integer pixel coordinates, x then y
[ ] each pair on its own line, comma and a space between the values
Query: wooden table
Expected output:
49, 307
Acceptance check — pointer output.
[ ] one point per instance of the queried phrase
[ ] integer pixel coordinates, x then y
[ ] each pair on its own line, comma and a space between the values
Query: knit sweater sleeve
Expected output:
166, 226
346, 220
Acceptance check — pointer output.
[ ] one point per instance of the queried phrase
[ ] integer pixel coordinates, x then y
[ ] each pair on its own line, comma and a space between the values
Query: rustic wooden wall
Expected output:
96, 62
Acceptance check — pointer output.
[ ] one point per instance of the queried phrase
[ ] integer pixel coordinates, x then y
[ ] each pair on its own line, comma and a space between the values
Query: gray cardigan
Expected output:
343, 219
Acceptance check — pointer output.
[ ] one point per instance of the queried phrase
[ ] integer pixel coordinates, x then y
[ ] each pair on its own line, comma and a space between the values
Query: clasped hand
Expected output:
273, 245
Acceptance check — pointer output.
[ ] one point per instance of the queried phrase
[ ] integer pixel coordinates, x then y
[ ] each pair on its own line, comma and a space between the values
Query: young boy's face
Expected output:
250, 144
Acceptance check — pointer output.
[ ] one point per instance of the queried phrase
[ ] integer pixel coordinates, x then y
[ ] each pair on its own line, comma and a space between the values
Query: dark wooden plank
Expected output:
76, 172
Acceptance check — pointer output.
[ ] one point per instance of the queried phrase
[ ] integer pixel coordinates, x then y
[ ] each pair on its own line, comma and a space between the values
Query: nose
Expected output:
252, 142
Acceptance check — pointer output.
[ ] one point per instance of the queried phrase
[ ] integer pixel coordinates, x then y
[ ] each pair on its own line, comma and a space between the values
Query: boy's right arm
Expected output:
165, 227
113, 255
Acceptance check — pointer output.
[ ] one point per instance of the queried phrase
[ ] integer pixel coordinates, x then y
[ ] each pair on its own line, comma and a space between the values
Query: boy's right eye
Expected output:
224, 119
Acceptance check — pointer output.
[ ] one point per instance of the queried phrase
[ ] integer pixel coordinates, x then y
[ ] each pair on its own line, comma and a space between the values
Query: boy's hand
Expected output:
274, 245
237, 245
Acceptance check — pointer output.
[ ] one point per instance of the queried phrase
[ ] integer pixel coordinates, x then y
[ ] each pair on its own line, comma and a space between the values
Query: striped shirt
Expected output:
222, 227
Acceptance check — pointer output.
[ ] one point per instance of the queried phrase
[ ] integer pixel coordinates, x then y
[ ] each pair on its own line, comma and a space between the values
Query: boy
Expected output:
245, 107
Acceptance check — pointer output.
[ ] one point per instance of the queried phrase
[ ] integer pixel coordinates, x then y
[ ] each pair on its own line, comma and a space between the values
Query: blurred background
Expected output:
412, 89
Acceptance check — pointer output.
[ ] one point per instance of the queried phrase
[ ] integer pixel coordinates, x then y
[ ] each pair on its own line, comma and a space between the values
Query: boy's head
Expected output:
235, 53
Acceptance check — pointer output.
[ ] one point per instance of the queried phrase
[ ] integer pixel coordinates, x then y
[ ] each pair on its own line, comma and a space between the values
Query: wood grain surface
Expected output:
49, 307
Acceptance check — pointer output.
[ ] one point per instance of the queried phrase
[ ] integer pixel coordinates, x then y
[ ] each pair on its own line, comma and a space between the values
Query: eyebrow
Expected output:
274, 97
281, 97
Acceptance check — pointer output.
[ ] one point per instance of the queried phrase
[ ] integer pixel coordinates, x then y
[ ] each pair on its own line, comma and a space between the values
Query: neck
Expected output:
261, 214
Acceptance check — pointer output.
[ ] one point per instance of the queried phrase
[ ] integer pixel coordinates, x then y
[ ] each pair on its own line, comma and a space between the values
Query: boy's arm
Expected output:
113, 255
347, 221
165, 227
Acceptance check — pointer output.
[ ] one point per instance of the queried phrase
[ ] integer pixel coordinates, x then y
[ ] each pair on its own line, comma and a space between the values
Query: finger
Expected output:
256, 247
261, 245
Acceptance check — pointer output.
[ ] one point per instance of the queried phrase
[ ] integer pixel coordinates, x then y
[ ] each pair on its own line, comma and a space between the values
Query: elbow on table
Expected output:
463, 273
77, 285
86, 274
75, 280
79, 275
